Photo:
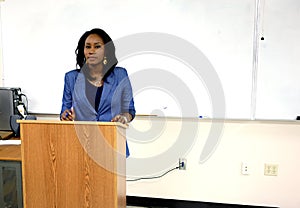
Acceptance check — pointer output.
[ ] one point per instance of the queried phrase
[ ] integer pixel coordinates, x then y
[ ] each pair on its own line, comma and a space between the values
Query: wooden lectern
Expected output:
73, 164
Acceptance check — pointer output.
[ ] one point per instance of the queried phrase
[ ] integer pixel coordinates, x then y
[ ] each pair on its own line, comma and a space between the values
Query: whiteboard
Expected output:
39, 39
278, 86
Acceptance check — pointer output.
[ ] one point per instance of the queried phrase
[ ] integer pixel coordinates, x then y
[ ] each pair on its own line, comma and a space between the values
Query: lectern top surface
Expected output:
73, 122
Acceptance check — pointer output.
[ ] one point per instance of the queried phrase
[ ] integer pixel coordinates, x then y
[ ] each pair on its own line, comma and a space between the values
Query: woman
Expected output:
98, 90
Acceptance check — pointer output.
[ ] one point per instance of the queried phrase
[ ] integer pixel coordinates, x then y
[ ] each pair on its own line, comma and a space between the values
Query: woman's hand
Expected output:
68, 115
123, 118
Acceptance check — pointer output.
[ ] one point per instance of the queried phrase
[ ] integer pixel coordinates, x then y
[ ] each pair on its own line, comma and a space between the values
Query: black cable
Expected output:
25, 104
154, 177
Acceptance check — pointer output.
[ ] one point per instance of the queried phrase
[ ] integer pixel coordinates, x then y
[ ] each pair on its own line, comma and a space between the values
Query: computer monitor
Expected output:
9, 97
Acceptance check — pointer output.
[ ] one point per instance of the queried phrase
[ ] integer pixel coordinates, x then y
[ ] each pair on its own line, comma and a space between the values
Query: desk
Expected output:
10, 152
10, 176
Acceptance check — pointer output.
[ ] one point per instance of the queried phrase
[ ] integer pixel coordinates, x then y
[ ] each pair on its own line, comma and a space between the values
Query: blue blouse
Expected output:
116, 97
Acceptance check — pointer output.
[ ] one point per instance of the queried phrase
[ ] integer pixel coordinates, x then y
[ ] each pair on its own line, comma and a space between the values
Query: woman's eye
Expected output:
87, 46
98, 46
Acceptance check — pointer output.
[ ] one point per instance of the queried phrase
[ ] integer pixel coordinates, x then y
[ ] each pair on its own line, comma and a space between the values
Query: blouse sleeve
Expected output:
67, 92
127, 96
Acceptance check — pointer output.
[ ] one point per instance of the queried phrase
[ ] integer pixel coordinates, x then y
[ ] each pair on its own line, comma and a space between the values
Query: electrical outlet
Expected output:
271, 169
245, 168
182, 163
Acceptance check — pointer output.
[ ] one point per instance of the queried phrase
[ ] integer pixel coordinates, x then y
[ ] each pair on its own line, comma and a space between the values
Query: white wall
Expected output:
219, 178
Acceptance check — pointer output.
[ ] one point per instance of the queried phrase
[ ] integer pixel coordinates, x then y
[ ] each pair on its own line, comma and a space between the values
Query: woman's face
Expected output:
94, 49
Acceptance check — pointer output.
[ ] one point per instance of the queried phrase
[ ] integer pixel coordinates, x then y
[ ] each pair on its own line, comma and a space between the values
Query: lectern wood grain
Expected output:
73, 165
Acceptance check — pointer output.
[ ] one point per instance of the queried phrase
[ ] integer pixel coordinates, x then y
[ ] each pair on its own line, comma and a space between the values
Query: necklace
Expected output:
97, 83
96, 80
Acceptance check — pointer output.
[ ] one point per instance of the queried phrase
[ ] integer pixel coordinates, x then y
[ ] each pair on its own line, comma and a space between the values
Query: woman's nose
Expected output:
92, 50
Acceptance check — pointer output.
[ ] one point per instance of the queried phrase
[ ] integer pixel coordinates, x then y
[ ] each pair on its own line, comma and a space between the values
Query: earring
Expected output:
104, 60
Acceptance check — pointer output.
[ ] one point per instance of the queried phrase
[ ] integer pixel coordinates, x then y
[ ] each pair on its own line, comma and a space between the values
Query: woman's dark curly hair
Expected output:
109, 50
